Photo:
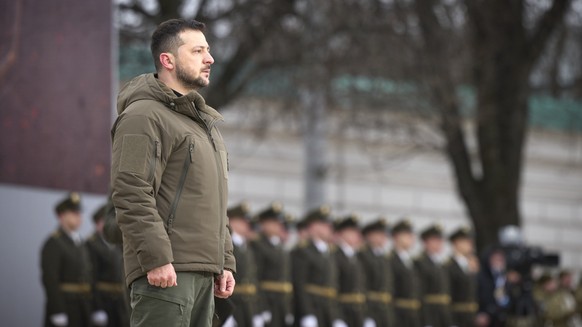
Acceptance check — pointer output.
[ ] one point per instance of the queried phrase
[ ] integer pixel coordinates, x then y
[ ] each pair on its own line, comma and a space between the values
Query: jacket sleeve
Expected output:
229, 260
133, 176
51, 265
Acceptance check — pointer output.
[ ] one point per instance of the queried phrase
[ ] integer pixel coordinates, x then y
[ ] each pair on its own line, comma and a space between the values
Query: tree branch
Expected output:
544, 29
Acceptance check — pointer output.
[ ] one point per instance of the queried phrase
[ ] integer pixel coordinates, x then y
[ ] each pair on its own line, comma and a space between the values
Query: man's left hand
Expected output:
224, 285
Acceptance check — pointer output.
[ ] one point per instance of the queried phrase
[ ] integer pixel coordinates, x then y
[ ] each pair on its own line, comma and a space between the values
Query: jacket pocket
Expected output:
224, 162
157, 151
188, 159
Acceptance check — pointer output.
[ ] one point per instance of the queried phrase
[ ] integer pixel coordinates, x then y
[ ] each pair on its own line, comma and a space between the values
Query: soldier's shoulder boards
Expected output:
56, 234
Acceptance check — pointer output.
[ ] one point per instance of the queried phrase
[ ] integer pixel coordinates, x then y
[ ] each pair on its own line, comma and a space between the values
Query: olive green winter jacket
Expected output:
169, 178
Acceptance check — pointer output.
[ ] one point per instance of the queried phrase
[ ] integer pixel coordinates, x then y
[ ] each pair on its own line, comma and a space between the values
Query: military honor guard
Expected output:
245, 298
434, 279
462, 279
351, 289
375, 260
273, 266
107, 264
558, 306
314, 274
66, 270
406, 281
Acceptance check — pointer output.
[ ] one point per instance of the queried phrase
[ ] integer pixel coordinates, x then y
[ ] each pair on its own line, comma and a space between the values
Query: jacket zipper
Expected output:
218, 161
154, 160
181, 182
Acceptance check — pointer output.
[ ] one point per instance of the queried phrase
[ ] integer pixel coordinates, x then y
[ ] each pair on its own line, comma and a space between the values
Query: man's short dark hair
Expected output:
166, 36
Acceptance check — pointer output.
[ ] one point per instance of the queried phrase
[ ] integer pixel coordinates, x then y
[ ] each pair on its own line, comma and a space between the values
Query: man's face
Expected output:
193, 60
352, 237
272, 227
464, 246
70, 220
497, 261
434, 245
240, 226
404, 240
377, 239
320, 230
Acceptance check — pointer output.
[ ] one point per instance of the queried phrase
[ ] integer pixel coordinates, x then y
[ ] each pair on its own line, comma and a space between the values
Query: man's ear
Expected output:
167, 60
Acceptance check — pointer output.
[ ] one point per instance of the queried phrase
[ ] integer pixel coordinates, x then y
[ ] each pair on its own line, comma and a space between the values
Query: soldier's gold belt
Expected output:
440, 299
245, 289
76, 288
278, 287
468, 307
321, 291
109, 287
353, 298
407, 304
383, 297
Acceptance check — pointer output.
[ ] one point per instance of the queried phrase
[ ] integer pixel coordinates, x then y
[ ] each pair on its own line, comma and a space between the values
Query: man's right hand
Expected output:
164, 276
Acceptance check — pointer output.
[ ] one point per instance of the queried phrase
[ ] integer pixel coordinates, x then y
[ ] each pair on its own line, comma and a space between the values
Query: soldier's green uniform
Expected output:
406, 284
463, 286
244, 297
109, 289
434, 285
314, 277
66, 273
351, 297
273, 270
558, 307
378, 279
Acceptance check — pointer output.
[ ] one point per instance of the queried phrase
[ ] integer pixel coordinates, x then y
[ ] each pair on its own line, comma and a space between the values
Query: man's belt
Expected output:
327, 292
440, 299
109, 287
278, 287
465, 307
76, 287
352, 298
245, 289
409, 304
383, 297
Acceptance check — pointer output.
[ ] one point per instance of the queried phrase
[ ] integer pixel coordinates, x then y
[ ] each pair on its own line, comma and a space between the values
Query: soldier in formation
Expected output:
406, 281
434, 280
244, 297
375, 260
107, 266
462, 277
351, 289
273, 266
66, 272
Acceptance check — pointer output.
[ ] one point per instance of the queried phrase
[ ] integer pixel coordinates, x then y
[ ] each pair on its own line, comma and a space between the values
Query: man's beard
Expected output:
188, 81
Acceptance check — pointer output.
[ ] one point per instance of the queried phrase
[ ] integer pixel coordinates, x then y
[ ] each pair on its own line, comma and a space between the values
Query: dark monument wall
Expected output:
55, 93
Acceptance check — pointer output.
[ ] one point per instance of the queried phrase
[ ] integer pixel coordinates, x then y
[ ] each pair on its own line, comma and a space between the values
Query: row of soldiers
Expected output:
338, 274
342, 275
83, 279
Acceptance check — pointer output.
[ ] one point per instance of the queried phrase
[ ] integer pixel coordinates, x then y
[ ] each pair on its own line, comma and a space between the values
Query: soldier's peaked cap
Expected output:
350, 221
461, 233
380, 224
432, 231
241, 210
273, 212
403, 226
100, 213
71, 203
321, 214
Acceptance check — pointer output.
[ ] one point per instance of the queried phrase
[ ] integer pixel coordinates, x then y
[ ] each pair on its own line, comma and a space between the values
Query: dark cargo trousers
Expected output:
190, 304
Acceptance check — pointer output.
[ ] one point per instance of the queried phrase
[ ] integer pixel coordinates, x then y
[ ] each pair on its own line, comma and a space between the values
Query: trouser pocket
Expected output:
154, 306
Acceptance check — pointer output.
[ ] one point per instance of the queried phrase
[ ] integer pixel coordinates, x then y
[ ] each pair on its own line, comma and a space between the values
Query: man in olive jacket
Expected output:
169, 185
